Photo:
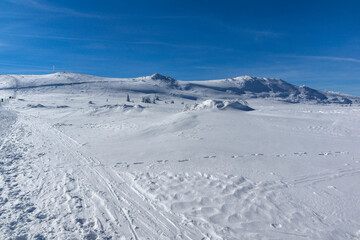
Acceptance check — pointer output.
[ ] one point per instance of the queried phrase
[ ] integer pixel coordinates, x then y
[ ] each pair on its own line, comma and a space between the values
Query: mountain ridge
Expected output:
242, 86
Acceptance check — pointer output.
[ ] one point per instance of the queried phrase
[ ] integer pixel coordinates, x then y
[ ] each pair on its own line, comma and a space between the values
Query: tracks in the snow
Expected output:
92, 200
82, 179
18, 208
325, 176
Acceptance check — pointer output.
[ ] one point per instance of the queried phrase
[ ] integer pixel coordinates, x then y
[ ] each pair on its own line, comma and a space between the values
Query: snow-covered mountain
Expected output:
254, 87
244, 87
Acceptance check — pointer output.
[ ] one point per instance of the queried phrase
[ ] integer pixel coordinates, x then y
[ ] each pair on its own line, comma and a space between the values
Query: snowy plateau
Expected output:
86, 157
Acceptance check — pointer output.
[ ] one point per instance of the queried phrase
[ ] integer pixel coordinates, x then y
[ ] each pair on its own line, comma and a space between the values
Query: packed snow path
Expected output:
65, 193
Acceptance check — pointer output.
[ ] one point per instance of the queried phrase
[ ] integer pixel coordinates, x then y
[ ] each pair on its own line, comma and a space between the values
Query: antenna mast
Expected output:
53, 68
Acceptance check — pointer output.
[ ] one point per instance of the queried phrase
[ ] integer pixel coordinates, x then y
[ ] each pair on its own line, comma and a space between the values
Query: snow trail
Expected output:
70, 186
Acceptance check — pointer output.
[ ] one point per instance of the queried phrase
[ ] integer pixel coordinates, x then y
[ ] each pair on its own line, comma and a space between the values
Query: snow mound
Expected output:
218, 104
117, 107
46, 107
36, 106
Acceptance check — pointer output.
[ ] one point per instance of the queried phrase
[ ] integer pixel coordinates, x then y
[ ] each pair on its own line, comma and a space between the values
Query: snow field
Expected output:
112, 169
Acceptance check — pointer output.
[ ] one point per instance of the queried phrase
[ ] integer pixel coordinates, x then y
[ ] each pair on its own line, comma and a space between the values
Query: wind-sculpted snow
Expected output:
221, 105
117, 107
229, 207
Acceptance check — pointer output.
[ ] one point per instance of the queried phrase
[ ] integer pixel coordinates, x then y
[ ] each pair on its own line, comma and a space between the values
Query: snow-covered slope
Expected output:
253, 87
231, 88
84, 157
56, 79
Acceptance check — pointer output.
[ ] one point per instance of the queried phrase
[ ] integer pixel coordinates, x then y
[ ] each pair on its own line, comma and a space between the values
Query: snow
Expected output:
221, 105
131, 170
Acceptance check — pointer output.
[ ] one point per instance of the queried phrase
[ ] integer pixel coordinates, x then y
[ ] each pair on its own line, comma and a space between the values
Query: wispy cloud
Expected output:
12, 15
50, 8
185, 46
256, 34
328, 58
48, 37
102, 42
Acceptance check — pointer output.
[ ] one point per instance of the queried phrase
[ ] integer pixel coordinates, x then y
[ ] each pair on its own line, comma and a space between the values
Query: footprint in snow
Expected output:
184, 160
276, 225
41, 215
39, 237
122, 164
300, 153
340, 152
162, 161
138, 163
81, 221
325, 153
41, 154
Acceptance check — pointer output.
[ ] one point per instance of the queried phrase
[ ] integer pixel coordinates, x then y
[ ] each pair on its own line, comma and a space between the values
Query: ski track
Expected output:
69, 184
325, 176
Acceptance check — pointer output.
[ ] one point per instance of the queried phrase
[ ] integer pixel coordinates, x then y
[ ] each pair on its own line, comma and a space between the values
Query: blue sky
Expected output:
314, 43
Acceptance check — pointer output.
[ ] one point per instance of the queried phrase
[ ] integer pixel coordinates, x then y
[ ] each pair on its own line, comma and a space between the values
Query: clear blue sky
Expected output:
314, 43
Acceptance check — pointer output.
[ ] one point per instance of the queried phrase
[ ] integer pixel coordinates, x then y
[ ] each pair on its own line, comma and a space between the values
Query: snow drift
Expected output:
221, 105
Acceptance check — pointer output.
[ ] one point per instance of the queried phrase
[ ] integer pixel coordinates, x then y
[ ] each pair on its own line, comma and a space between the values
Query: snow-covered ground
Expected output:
78, 161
